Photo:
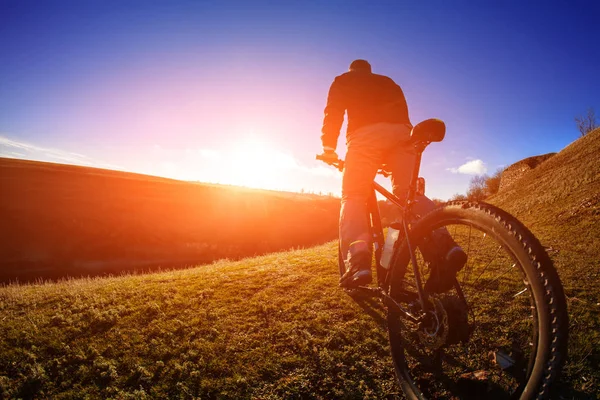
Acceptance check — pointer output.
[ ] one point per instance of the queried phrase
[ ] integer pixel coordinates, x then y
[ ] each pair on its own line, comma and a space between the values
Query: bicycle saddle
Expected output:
430, 130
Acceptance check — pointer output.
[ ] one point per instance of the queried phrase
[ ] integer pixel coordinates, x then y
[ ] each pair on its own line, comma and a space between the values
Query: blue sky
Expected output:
234, 91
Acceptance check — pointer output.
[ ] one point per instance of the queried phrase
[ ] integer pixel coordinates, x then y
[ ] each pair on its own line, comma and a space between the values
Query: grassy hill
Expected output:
63, 220
275, 326
559, 201
269, 327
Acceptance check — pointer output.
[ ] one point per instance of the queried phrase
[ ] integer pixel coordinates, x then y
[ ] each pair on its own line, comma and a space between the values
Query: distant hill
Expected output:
562, 189
560, 199
64, 219
516, 171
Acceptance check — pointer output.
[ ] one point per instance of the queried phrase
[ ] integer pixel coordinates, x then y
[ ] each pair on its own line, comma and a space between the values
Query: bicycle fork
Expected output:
413, 261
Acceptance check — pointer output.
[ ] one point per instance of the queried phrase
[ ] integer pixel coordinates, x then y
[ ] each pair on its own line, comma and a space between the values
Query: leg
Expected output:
365, 155
441, 251
360, 168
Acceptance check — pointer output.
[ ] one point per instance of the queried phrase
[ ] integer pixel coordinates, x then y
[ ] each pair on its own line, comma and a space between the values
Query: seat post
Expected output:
419, 148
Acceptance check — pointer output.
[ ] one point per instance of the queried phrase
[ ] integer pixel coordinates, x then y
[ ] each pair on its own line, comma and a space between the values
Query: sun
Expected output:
254, 162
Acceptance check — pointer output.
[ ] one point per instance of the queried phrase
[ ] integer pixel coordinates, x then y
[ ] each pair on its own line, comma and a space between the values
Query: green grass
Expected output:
269, 327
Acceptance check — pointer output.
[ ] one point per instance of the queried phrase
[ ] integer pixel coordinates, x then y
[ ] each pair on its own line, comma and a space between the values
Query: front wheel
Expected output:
501, 332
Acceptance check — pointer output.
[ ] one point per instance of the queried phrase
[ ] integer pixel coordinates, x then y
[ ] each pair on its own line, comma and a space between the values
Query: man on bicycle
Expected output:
378, 133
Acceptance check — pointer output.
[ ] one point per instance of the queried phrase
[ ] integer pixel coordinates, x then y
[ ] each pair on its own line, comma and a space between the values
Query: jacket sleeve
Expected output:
334, 115
400, 103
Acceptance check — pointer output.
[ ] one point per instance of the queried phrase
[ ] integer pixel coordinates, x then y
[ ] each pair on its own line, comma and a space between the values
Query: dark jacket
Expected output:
369, 99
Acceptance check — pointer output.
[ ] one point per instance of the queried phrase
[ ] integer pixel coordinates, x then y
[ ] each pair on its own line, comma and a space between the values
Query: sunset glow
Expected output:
234, 92
254, 162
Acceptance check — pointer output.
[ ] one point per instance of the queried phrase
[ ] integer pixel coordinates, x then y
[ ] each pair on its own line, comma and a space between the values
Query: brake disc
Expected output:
435, 335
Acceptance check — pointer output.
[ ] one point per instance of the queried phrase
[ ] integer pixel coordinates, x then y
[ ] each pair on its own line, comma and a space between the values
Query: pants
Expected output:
368, 148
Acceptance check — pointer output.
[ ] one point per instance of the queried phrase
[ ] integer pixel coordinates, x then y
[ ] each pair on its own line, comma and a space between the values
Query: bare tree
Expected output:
477, 189
586, 123
458, 197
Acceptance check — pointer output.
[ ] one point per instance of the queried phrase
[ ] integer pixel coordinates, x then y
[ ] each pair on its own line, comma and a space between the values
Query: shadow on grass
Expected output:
370, 305
565, 390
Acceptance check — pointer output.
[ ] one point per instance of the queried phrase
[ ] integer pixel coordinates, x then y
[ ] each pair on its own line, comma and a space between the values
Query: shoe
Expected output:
356, 278
443, 274
359, 274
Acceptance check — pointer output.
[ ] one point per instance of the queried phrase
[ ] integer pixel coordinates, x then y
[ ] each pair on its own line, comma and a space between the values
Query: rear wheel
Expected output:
501, 332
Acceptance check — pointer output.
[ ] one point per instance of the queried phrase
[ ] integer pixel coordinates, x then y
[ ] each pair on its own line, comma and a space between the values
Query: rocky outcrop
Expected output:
514, 172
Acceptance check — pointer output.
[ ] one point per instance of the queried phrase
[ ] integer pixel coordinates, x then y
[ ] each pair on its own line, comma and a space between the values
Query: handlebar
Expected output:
339, 164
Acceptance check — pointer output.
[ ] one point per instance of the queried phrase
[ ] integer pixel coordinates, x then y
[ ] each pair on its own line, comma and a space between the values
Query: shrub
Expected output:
458, 197
492, 183
586, 123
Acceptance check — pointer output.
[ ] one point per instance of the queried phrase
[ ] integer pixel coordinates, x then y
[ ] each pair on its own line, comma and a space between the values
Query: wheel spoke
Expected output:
506, 271
487, 266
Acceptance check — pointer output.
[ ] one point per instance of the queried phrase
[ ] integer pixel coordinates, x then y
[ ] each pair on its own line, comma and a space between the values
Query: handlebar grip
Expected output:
339, 164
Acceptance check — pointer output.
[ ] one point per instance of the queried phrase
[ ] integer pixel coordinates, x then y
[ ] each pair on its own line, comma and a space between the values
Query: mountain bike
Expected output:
501, 331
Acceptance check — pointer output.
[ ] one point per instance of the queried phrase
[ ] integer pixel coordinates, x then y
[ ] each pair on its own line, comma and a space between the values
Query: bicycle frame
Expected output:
384, 275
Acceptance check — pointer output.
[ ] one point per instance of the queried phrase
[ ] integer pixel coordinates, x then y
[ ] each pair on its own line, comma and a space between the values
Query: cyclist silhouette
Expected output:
378, 133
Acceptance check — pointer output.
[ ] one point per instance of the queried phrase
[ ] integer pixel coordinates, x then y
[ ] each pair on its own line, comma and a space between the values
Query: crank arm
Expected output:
390, 302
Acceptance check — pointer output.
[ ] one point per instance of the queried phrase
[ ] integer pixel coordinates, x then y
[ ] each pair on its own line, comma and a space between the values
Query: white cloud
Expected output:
473, 167
15, 149
12, 154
